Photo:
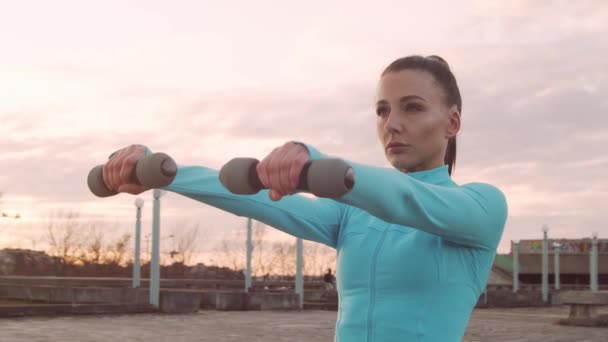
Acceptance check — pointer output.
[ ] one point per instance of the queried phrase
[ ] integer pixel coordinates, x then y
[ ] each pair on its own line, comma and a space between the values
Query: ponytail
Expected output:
450, 155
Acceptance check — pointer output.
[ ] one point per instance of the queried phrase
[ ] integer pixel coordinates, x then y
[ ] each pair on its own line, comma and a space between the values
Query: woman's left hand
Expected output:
280, 170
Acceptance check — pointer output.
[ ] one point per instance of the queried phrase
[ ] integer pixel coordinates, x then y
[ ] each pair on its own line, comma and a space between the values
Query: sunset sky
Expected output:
206, 81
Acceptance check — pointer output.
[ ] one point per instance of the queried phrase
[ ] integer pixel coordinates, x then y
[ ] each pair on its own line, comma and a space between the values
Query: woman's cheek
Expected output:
428, 127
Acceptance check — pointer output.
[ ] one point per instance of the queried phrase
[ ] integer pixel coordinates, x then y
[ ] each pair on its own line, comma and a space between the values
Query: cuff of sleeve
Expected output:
313, 153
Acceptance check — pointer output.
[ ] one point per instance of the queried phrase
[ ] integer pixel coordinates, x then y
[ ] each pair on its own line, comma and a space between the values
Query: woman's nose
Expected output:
391, 124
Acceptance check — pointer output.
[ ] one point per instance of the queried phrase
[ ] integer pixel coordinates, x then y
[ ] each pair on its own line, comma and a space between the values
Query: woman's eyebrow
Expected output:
411, 97
402, 99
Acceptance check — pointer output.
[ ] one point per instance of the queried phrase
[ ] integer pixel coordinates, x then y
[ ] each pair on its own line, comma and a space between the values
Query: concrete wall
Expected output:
227, 301
506, 299
212, 284
273, 301
57, 294
73, 309
171, 301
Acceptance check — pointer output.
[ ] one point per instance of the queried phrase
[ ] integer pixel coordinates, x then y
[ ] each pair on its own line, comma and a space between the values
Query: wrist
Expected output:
313, 153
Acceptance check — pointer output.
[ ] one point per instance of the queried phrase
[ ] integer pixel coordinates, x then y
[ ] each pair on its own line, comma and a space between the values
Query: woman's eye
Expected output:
412, 107
381, 111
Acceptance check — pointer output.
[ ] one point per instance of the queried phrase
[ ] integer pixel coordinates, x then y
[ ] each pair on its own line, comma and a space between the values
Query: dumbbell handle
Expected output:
256, 183
323, 178
156, 170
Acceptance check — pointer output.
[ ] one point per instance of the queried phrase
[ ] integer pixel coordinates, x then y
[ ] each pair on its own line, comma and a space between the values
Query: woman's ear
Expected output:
454, 123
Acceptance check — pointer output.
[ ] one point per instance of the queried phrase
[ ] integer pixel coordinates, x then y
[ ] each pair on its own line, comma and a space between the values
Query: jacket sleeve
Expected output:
305, 217
473, 214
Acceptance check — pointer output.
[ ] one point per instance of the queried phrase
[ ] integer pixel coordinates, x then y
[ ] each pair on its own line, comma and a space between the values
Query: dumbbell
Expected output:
330, 178
156, 170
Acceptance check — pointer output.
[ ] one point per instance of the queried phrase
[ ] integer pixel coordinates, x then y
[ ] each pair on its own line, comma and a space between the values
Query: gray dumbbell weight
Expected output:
154, 171
330, 178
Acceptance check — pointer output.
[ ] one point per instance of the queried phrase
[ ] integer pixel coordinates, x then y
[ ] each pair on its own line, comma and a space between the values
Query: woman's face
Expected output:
414, 122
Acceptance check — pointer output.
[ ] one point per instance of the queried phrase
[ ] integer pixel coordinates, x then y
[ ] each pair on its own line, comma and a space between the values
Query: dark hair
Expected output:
440, 70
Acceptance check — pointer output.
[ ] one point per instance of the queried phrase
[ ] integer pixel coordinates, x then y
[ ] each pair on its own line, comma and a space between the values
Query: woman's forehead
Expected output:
395, 85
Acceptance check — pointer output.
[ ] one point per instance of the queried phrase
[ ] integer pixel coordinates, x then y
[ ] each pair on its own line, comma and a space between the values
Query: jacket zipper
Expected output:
372, 288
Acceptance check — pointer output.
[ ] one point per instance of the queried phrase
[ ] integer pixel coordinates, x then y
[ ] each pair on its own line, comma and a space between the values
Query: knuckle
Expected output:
131, 160
124, 174
272, 168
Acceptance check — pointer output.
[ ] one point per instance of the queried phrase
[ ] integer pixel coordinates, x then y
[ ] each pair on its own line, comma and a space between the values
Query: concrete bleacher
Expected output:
176, 296
583, 308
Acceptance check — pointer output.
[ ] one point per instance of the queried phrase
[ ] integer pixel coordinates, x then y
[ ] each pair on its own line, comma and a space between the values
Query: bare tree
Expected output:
318, 258
312, 259
65, 237
284, 253
263, 260
78, 242
117, 252
274, 257
187, 240
95, 248
231, 251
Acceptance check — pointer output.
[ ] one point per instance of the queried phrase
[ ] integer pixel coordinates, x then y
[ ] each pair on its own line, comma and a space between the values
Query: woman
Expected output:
414, 248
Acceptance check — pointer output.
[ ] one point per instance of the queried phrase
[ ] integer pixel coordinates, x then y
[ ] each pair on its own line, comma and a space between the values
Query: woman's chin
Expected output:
400, 162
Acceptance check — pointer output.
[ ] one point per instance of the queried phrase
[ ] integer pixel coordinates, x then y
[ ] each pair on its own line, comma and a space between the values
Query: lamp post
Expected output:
593, 262
155, 262
515, 250
249, 255
545, 280
299, 276
556, 248
139, 203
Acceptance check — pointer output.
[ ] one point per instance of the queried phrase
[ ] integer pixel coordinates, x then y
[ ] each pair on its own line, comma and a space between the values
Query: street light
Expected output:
594, 268
556, 249
249, 251
139, 203
299, 286
545, 265
155, 258
515, 250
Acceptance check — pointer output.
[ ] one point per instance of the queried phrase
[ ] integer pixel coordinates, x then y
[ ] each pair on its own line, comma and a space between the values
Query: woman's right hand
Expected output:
118, 170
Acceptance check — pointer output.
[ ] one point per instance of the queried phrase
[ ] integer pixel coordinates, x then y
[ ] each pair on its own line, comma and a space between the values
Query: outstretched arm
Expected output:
307, 218
472, 214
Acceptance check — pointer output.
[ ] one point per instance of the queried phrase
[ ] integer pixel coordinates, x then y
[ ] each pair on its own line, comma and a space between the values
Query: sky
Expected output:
207, 81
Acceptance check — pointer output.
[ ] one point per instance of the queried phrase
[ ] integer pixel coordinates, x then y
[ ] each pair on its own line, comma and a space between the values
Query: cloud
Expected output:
532, 75
538, 21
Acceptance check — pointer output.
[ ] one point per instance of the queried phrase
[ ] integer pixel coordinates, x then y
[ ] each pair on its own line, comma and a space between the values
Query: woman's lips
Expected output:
397, 147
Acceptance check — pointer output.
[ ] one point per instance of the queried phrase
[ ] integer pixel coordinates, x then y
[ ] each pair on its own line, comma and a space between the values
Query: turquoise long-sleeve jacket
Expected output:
414, 250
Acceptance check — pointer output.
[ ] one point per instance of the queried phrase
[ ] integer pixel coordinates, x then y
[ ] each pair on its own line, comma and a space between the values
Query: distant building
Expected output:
574, 261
